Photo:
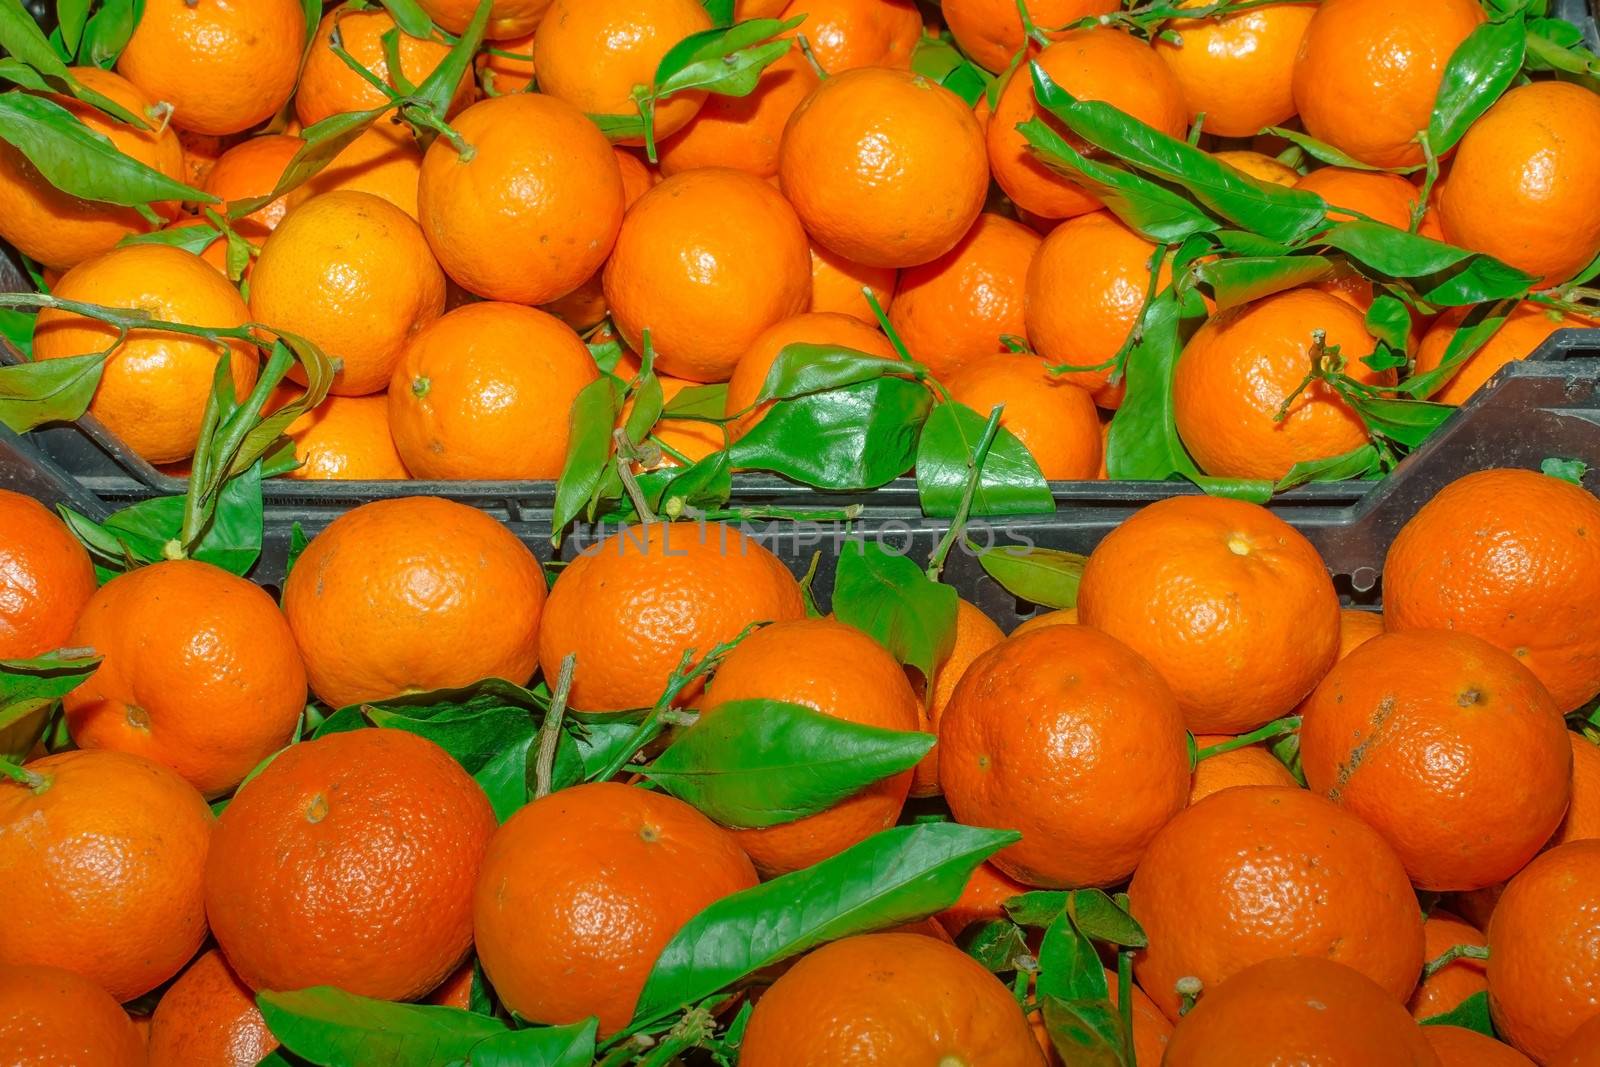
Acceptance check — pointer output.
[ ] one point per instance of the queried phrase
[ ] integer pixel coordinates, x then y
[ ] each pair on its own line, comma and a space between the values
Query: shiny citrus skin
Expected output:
837, 670
1251, 765
45, 578
482, 393
410, 595
507, 18
591, 53
1508, 556
152, 393
813, 328
1427, 736
1520, 186
1231, 604
1524, 329
1060, 617
1543, 980
1239, 368
1095, 64
200, 672
49, 1016
630, 606
975, 634
1582, 1049
836, 285
582, 889
1582, 821
1053, 418
990, 31
329, 87
1070, 737
983, 898
352, 273
705, 261
456, 991
884, 167
1258, 872
223, 65
955, 308
59, 230
1086, 288
1294, 1010
1456, 981
1385, 198
882, 999
846, 34
534, 212
742, 132
104, 870
350, 861
1457, 1046
250, 169
1259, 165
1369, 70
1237, 70
501, 73
208, 1017
384, 161
346, 438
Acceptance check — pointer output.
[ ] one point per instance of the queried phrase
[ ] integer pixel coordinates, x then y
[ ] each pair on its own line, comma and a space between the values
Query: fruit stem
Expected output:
630, 484
1450, 955
22, 776
974, 473
1272, 730
811, 57
1420, 208
550, 729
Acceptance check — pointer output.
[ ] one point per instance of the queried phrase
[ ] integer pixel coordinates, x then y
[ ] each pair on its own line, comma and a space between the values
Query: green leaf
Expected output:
727, 61
108, 31
996, 944
703, 401
19, 73
192, 237
938, 60
1389, 320
756, 763
232, 540
801, 369
21, 37
16, 327
1086, 1032
70, 18
439, 87
889, 598
1477, 326
1037, 907
1470, 1014
594, 414
671, 491
1044, 576
51, 390
1568, 470
541, 1046
1479, 70
619, 127
297, 544
894, 877
857, 437
1357, 463
1408, 422
721, 11
333, 1028
410, 17
323, 141
1069, 966
1240, 279
29, 689
1445, 275
1321, 150
1009, 484
1143, 442
1252, 490
1100, 918
493, 745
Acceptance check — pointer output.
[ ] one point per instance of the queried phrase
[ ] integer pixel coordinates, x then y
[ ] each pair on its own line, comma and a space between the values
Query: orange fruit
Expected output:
200, 154
250, 169
1251, 765
222, 67
705, 261
384, 161
208, 1017
692, 440
812, 328
413, 594
1519, 184
630, 606
1259, 165
352, 273
1062, 617
1238, 70
882, 999
1356, 628
1053, 418
1086, 288
456, 991
1368, 73
350, 861
651, 862
1582, 1049
1543, 979
1478, 724
507, 18
1582, 821
59, 230
45, 578
200, 672
742, 132
955, 308
1231, 604
837, 670
534, 212
507, 65
585, 306
329, 87
1505, 555
1524, 329
1385, 198
346, 438
863, 124
990, 31
483, 393
1152, 1031
1258, 872
1457, 1046
846, 34
1298, 1011
837, 284
105, 861
1121, 777
152, 394
1240, 367
591, 54
1445, 989
50, 1016
975, 634
983, 898
1095, 64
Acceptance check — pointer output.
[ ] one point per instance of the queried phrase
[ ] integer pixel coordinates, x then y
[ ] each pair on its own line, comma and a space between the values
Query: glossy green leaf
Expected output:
727, 61
721, 11
16, 327
1320, 150
323, 141
333, 1028
802, 369
1408, 422
539, 1046
1238, 280
703, 401
1357, 463
1086, 1032
1009, 484
1143, 441
1069, 966
29, 688
671, 491
70, 18
232, 539
894, 877
439, 87
192, 237
995, 943
1470, 1014
19, 73
619, 127
51, 390
1443, 274
493, 745
1477, 326
1551, 46
889, 598
1253, 490
297, 544
21, 37
1568, 470
857, 437
1480, 69
758, 763
647, 401
410, 17
1044, 576
938, 60
594, 414
108, 31
1389, 320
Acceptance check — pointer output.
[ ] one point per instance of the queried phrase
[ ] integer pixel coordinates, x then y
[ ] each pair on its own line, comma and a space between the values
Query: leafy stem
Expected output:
22, 776
550, 729
1450, 955
974, 475
1274, 729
